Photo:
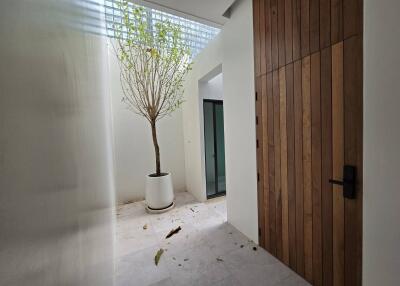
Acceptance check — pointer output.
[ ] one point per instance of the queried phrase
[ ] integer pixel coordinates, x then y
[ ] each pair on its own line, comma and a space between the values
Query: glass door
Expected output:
214, 144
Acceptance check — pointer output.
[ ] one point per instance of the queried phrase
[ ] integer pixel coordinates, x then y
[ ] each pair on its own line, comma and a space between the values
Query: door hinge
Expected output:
256, 120
257, 143
256, 95
259, 231
258, 177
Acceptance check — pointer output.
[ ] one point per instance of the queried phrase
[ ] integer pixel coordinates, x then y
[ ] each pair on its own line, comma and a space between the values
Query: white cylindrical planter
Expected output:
159, 193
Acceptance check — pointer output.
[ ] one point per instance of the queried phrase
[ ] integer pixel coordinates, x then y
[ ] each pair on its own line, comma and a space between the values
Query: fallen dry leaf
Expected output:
158, 256
174, 231
145, 227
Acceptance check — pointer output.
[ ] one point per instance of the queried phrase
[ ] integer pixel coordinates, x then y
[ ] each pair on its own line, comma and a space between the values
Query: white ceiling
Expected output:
205, 11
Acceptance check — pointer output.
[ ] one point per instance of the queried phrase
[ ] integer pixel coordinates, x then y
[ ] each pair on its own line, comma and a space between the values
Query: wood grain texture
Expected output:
288, 31
337, 163
336, 21
260, 156
272, 168
284, 182
353, 116
352, 18
298, 147
271, 161
256, 27
263, 50
311, 126
281, 33
308, 228
316, 167
277, 147
296, 29
274, 34
314, 26
264, 125
291, 166
305, 28
326, 162
325, 23
268, 35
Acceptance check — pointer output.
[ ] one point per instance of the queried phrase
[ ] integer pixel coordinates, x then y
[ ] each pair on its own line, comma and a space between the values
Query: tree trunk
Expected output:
156, 148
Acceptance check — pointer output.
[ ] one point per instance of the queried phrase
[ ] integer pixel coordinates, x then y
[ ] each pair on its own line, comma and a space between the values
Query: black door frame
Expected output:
217, 192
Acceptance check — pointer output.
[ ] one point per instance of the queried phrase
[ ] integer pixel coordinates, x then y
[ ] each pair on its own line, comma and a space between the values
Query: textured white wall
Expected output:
381, 231
212, 89
56, 181
133, 145
239, 117
209, 60
233, 49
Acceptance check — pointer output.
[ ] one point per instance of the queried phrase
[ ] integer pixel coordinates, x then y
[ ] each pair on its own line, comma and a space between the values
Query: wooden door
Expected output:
308, 77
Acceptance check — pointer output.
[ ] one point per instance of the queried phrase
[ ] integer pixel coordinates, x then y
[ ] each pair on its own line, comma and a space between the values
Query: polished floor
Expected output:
207, 251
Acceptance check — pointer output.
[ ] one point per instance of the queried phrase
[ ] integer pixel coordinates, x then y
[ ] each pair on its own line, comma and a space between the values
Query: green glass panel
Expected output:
209, 148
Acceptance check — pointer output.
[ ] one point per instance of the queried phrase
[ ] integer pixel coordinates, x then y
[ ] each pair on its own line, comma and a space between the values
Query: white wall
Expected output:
133, 145
56, 181
206, 65
239, 119
233, 48
212, 89
381, 230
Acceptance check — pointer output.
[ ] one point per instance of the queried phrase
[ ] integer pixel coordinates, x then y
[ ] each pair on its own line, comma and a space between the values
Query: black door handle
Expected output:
348, 183
336, 182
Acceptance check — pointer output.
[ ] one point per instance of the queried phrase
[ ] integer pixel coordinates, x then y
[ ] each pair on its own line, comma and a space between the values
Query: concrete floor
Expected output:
207, 251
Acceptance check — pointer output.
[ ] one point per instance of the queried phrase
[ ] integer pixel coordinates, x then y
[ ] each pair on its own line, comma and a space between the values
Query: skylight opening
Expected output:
196, 35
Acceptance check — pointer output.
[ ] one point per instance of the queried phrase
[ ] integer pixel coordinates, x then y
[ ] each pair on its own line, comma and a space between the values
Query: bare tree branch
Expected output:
153, 63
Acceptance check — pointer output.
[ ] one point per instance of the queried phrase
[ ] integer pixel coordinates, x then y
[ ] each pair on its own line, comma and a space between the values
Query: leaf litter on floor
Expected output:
158, 256
173, 232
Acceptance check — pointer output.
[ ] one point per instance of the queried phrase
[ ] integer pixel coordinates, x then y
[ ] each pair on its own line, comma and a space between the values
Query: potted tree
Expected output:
154, 60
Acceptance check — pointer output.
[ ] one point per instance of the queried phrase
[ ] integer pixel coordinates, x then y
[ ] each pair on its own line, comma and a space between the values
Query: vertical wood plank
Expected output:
305, 28
285, 200
296, 29
308, 223
271, 158
288, 31
267, 148
326, 130
268, 34
314, 26
336, 21
316, 167
337, 163
277, 145
301, 130
256, 27
281, 33
260, 165
291, 167
325, 23
274, 34
353, 116
298, 139
352, 18
263, 51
